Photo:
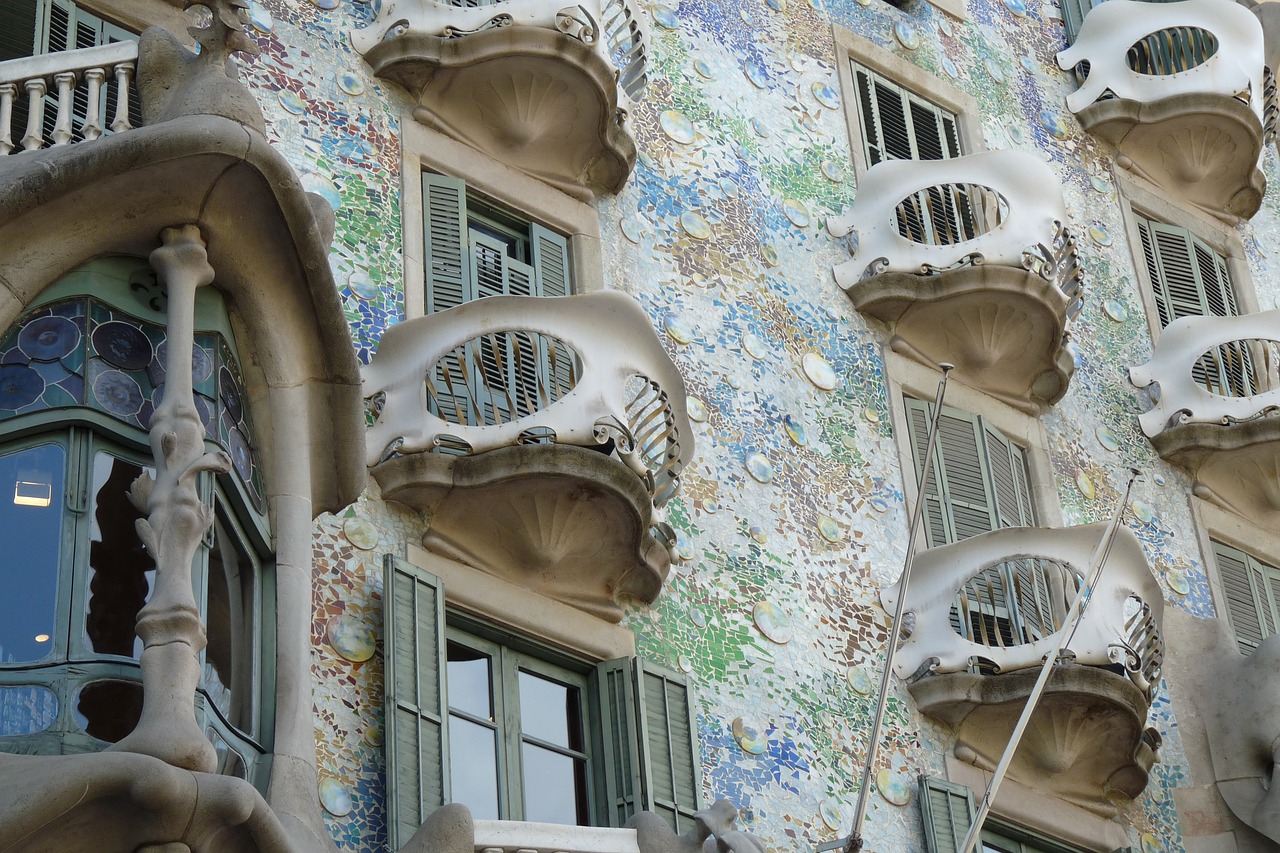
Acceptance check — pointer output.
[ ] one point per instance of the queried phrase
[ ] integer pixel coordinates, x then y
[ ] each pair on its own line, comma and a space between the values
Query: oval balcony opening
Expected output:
1015, 602
1241, 368
1171, 51
946, 214
501, 377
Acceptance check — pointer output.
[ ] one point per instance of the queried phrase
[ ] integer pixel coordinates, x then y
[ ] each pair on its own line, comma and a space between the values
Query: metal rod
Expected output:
853, 842
1081, 601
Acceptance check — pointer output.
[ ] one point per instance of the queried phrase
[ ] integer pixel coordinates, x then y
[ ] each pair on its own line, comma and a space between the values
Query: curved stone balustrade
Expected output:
541, 86
976, 647
969, 261
1179, 89
596, 436
1215, 382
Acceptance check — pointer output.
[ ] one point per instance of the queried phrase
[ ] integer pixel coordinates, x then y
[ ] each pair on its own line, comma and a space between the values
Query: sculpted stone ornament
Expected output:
714, 833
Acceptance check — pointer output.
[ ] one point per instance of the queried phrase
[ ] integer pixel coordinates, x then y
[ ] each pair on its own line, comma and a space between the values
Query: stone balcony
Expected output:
1215, 383
969, 261
544, 436
540, 86
1181, 90
985, 612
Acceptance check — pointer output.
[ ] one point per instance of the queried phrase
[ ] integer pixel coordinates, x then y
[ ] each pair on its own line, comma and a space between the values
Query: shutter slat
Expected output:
444, 223
948, 813
1243, 612
550, 261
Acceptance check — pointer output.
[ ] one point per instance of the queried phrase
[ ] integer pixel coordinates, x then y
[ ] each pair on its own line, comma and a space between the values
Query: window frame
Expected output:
916, 82
1215, 525
426, 150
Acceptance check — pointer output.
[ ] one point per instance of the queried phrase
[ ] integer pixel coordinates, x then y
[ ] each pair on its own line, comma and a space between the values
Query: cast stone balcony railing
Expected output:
1215, 384
544, 435
42, 92
969, 261
542, 86
1181, 89
986, 611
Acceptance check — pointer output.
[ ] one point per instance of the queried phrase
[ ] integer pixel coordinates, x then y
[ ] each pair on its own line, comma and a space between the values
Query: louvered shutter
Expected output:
948, 813
1073, 12
444, 225
1246, 609
672, 783
898, 125
936, 515
619, 727
416, 740
18, 19
551, 261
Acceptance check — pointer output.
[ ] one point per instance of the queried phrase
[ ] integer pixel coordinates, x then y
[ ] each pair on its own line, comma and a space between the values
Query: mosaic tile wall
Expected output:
792, 514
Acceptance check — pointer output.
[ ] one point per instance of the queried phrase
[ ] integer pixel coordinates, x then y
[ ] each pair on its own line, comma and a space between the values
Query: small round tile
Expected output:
1116, 310
754, 346
685, 664
632, 229
871, 416
994, 69
795, 430
772, 622
861, 681
1099, 234
879, 504
749, 736
832, 813
1177, 581
373, 737
944, 26
1158, 479
327, 5
832, 171
776, 5
894, 787
666, 18
759, 128
1016, 134
758, 534
693, 224
796, 213
827, 95
677, 328
1085, 485
335, 797
361, 533
1108, 439
769, 255
684, 547
1150, 844
1142, 511
698, 618
1017, 7
1028, 63
755, 72
677, 127
323, 187
747, 18
949, 66
906, 34
758, 466
704, 69
829, 529
819, 371
352, 638
710, 506
292, 102
696, 409
260, 17
351, 83
1053, 124
362, 286
1100, 184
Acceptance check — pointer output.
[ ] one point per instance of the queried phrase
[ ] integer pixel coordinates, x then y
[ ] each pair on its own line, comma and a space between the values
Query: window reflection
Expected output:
31, 538
228, 673
121, 572
109, 710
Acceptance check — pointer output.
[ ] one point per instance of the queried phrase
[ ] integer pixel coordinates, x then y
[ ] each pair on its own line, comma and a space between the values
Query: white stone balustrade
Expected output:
919, 216
626, 389
33, 81
1112, 29
1018, 620
614, 28
1212, 370
504, 836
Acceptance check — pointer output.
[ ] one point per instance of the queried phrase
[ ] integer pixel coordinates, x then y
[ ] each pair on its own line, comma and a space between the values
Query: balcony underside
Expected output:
537, 100
1084, 743
1001, 326
1202, 148
568, 522
1236, 465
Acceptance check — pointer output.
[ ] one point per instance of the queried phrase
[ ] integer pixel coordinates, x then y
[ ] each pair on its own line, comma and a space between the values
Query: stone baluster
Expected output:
92, 126
35, 115
177, 518
7, 93
66, 82
124, 76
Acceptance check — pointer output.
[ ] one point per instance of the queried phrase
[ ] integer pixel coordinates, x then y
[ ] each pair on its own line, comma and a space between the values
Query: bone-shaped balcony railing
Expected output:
1212, 370
994, 602
925, 216
65, 97
614, 28
586, 370
1147, 52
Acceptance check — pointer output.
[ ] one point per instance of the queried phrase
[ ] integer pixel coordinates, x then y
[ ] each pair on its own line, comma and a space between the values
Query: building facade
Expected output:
561, 392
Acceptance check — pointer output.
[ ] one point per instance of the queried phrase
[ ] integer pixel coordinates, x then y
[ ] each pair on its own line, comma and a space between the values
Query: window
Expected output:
900, 125
79, 380
948, 811
38, 27
1252, 591
473, 711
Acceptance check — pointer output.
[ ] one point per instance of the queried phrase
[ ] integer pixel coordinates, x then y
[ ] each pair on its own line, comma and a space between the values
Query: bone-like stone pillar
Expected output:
177, 519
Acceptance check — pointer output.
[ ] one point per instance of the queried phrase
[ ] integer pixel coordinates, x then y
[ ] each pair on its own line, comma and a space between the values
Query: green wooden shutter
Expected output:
550, 261
937, 517
651, 744
1252, 591
416, 741
899, 125
445, 243
948, 813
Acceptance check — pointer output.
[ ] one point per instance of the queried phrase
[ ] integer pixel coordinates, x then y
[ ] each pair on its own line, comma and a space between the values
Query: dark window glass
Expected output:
121, 573
31, 539
109, 710
229, 610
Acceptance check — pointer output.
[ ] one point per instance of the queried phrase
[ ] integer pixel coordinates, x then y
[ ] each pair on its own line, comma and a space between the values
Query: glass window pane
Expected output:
109, 710
26, 709
550, 711
555, 787
469, 681
121, 573
31, 539
227, 677
473, 767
